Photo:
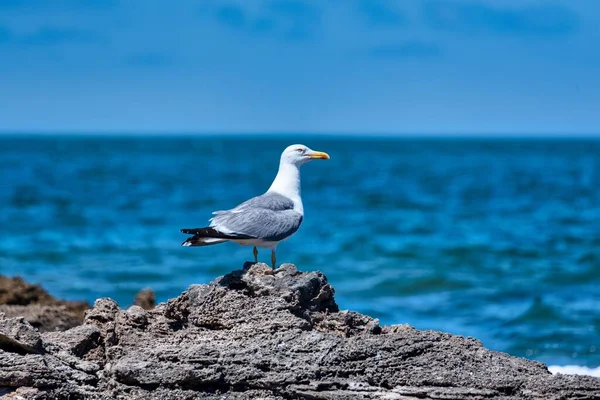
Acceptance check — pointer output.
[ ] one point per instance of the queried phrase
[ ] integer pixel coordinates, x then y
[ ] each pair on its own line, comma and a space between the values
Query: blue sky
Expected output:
337, 66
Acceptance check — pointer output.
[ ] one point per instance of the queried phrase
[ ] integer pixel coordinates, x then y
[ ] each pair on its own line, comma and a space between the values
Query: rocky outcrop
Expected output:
42, 310
256, 333
45, 312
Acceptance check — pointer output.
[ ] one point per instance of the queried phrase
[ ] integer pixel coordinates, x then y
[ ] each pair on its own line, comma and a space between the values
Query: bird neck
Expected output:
287, 183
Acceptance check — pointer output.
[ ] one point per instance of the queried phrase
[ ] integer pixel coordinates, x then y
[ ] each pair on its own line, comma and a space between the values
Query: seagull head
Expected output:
298, 154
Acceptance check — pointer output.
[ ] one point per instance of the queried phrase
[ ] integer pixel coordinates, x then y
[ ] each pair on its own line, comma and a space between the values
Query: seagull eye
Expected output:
299, 150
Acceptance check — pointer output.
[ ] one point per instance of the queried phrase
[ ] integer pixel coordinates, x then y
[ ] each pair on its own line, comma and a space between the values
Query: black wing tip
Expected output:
204, 232
213, 233
192, 231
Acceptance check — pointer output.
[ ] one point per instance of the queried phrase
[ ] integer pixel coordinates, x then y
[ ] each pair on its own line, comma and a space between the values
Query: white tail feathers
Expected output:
213, 240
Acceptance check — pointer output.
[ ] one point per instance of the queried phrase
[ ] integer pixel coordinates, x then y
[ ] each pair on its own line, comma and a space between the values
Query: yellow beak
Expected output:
319, 155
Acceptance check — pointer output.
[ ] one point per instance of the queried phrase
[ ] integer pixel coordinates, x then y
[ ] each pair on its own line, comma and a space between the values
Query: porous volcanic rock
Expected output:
258, 333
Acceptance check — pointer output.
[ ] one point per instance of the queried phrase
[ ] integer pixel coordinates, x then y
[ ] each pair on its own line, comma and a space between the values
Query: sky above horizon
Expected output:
349, 66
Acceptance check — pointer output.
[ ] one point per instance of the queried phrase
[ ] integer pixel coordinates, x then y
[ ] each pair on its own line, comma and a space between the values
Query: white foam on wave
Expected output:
574, 370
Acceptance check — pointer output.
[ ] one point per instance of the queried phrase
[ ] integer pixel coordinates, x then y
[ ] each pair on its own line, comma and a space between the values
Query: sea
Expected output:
498, 239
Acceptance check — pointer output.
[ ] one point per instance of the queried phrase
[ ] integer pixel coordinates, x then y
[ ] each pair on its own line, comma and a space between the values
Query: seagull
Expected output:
265, 220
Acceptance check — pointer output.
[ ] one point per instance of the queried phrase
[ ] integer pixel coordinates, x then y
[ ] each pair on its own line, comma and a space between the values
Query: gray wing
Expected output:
270, 217
271, 201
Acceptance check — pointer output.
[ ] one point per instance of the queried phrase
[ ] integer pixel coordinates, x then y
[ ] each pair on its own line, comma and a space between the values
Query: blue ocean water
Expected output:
496, 239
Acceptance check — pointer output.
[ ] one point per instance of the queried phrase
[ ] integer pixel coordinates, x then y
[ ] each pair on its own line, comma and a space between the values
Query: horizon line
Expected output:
409, 135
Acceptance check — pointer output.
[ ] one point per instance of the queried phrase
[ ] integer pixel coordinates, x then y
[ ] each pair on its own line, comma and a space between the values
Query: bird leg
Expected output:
273, 258
255, 252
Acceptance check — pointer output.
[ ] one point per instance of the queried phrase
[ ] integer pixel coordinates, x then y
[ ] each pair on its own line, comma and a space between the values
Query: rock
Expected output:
20, 393
259, 333
145, 299
46, 318
15, 291
18, 336
38, 307
45, 312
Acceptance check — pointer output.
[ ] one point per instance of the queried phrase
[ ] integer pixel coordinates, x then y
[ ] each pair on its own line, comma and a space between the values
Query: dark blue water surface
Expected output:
496, 239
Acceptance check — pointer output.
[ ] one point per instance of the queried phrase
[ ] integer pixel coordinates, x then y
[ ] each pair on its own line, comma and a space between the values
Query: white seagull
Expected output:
265, 220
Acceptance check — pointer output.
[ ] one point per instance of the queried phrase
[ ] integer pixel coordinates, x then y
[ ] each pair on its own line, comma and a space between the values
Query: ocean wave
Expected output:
574, 370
